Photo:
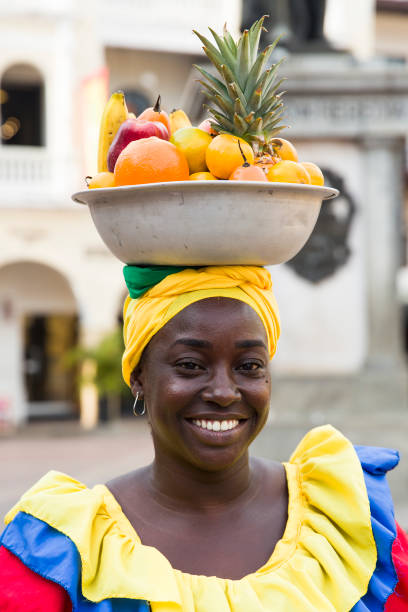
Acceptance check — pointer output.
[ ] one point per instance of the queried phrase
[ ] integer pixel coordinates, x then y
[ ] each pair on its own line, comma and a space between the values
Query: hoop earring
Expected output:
136, 411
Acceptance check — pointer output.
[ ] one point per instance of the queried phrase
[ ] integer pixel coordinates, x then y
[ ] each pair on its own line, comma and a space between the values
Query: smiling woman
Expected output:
206, 367
206, 528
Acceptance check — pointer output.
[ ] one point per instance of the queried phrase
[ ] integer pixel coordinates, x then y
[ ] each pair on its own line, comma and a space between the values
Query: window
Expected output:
398, 6
136, 101
22, 106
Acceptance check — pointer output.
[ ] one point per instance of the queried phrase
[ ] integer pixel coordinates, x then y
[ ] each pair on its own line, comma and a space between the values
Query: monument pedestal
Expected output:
346, 320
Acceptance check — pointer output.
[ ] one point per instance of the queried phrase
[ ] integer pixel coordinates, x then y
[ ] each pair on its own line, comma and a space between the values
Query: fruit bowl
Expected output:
205, 222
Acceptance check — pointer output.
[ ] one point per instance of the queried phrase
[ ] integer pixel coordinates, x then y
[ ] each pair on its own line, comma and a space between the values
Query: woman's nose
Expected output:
221, 389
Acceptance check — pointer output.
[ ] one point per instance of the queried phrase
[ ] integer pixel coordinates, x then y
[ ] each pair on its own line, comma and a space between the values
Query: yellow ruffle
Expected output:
323, 562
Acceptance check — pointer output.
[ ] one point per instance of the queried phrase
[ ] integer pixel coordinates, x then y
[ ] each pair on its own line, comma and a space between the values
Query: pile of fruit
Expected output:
239, 142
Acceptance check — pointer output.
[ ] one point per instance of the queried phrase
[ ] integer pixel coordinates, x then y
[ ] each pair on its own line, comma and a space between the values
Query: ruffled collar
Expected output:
323, 562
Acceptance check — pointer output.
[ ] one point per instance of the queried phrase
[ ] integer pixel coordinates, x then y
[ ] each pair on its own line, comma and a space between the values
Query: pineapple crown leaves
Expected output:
243, 99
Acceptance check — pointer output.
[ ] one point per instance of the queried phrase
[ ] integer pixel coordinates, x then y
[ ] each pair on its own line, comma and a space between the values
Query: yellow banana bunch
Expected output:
114, 114
178, 120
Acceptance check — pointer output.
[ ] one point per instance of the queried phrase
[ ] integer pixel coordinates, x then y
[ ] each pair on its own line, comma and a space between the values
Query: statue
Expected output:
298, 22
328, 248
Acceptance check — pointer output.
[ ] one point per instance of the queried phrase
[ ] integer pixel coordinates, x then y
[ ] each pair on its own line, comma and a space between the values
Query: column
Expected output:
382, 209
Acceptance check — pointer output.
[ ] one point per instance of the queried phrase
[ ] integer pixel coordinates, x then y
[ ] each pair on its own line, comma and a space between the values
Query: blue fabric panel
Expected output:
54, 556
376, 462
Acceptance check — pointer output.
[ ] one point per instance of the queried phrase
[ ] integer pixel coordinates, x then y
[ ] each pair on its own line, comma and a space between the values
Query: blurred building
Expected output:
58, 63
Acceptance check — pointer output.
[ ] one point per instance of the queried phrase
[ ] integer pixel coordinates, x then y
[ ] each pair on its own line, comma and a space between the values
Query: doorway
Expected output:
49, 382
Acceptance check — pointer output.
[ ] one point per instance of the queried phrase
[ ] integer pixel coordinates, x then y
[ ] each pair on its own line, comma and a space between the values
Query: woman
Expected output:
205, 528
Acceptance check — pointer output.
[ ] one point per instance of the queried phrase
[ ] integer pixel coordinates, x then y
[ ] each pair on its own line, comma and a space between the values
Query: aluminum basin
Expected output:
205, 222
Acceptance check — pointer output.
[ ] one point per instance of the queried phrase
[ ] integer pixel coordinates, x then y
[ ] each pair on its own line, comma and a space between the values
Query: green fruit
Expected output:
193, 142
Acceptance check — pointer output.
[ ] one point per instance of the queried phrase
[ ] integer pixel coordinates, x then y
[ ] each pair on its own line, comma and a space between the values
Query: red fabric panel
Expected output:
398, 602
22, 590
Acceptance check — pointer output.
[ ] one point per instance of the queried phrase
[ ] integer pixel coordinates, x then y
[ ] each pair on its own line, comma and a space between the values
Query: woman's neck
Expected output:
182, 486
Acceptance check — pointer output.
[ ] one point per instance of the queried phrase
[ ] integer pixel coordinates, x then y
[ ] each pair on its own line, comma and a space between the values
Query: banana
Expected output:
178, 120
114, 114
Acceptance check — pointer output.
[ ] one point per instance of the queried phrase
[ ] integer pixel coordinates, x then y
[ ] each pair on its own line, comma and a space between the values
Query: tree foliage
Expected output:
107, 356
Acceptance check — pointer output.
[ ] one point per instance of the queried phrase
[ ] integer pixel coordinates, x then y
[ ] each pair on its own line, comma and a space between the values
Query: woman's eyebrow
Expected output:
193, 342
250, 344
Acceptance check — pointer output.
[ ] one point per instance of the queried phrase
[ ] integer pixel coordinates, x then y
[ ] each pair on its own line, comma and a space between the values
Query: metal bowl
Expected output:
205, 222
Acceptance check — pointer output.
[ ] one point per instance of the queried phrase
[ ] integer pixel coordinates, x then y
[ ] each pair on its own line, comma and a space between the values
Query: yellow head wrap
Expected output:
145, 316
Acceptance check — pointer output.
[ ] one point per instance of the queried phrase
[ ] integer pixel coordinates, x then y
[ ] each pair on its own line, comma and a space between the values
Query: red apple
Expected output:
134, 129
163, 132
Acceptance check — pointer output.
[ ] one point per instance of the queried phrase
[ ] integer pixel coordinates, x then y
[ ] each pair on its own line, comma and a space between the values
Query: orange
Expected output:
246, 172
287, 171
202, 176
193, 142
316, 175
223, 155
150, 160
284, 149
102, 179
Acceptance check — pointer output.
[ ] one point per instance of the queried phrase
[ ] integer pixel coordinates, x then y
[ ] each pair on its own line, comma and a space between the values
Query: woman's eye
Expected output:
251, 366
188, 365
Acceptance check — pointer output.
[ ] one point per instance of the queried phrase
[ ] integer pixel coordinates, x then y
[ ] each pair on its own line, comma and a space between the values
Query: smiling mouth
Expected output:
216, 425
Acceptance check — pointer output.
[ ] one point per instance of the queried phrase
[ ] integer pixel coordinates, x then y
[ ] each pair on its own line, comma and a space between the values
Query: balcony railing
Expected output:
32, 176
26, 166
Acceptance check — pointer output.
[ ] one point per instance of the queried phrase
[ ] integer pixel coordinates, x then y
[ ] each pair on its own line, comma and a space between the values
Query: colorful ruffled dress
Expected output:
69, 548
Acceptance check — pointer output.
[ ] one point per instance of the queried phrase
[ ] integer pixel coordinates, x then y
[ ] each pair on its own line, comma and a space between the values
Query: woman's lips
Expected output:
217, 431
216, 424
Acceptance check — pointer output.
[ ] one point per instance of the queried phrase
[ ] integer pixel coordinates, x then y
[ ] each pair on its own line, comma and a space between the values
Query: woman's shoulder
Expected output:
325, 449
61, 541
57, 495
344, 485
37, 561
326, 444
330, 469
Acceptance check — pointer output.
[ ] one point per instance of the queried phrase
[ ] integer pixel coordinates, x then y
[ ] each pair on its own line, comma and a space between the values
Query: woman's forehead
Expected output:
215, 314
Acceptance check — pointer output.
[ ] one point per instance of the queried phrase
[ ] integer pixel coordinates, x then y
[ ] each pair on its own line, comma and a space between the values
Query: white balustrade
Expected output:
32, 176
24, 166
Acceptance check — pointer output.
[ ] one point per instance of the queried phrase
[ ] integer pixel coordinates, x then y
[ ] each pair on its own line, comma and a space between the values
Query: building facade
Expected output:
58, 63
58, 283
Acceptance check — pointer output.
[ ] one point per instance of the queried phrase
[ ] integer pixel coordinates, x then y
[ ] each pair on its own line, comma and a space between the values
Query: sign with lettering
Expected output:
347, 115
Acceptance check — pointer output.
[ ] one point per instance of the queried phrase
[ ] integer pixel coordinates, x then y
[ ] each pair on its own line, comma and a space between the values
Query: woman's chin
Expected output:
214, 450
217, 460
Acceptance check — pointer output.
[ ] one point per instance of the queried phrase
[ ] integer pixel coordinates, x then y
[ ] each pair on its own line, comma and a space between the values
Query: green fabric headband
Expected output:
140, 279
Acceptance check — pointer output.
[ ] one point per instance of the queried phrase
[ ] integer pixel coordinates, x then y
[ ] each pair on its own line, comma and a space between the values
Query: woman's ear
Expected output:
136, 384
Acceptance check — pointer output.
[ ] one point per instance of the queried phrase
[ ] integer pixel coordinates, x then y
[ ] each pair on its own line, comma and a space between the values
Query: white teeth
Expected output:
223, 425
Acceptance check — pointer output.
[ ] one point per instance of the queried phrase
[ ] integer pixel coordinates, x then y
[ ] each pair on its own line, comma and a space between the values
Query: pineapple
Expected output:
246, 99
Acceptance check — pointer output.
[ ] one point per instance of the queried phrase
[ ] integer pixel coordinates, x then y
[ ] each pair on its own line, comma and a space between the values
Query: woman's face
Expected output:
206, 384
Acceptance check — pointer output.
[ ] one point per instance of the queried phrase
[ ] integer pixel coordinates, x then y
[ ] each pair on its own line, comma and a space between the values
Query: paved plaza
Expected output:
91, 457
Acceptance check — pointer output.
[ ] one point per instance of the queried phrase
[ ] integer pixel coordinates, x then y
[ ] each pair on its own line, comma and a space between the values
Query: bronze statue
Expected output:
298, 22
